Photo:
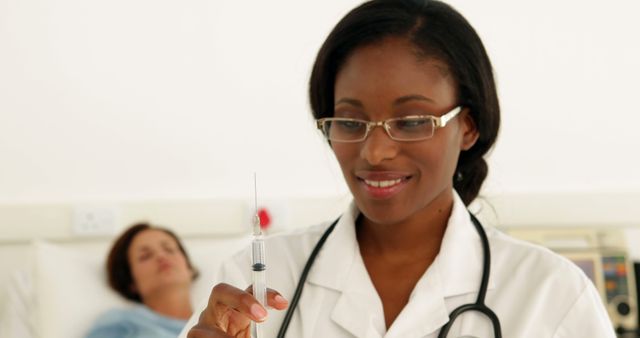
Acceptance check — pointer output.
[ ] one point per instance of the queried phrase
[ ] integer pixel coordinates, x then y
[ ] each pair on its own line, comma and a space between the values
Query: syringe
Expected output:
259, 266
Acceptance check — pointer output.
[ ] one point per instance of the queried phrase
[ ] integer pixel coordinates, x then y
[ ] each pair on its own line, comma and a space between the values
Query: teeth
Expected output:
383, 184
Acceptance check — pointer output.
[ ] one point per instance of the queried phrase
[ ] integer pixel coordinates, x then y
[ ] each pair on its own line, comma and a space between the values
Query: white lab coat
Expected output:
534, 292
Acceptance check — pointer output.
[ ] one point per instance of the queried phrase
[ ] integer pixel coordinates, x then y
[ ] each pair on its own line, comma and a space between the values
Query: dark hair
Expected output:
118, 267
438, 31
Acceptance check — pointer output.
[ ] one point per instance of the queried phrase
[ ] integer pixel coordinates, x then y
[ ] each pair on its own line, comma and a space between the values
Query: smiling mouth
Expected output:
384, 183
383, 187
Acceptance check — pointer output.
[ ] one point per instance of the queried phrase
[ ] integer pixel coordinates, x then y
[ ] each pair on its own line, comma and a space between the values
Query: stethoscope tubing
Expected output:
479, 305
303, 277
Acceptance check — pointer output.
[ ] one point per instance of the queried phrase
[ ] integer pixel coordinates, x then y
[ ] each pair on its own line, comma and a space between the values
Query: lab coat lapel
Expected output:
461, 255
338, 254
426, 311
457, 270
359, 309
339, 266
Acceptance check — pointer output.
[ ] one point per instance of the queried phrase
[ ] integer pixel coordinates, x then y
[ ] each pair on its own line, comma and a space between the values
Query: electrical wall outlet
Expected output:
91, 221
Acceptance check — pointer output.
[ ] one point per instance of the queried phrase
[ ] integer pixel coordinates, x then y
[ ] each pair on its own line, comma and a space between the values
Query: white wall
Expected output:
165, 99
567, 73
148, 99
105, 102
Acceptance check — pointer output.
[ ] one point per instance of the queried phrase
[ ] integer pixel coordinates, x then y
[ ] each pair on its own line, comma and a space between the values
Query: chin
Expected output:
384, 212
170, 279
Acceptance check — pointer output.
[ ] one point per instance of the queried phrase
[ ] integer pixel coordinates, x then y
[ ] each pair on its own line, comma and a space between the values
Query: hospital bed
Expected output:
63, 289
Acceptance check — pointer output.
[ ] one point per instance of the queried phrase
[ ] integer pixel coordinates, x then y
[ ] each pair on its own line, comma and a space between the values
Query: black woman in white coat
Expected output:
404, 92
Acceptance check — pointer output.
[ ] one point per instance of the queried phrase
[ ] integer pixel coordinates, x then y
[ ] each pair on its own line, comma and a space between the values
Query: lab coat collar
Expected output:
460, 260
456, 270
338, 254
339, 267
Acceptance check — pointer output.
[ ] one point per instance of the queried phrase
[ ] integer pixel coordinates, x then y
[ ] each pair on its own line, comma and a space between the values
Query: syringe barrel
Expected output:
260, 287
258, 256
259, 272
259, 268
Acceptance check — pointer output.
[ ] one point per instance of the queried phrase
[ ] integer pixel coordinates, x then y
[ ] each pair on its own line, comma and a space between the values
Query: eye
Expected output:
169, 247
411, 123
347, 125
145, 256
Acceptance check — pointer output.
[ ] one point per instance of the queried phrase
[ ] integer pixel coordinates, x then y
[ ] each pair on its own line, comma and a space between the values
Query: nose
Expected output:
378, 147
161, 257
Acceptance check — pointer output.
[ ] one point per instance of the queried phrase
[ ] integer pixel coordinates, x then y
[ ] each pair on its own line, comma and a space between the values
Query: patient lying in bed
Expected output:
150, 266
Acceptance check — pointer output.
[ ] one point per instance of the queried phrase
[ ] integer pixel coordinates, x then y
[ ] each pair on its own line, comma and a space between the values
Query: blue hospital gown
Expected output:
136, 322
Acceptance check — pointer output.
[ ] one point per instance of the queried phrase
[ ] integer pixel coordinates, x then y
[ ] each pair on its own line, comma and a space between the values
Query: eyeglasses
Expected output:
408, 128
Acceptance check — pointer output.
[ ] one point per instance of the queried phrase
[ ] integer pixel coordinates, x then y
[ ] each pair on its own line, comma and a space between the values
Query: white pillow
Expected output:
17, 318
207, 255
71, 291
71, 287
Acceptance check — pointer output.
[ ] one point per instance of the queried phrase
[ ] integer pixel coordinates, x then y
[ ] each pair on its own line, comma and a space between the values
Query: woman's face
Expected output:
387, 80
157, 263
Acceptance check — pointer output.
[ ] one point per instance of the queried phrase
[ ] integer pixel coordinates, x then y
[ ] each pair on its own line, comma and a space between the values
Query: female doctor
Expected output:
403, 90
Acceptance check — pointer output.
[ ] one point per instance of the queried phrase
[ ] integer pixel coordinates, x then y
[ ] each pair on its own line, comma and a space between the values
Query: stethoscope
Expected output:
479, 305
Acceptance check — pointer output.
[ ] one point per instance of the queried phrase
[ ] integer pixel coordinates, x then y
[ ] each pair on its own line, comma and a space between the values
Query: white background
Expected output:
121, 100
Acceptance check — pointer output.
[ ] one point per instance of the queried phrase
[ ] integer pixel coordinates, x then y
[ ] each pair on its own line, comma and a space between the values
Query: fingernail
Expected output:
280, 299
258, 312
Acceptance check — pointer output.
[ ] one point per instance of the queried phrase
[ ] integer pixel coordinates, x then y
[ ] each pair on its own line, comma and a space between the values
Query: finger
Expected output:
225, 296
225, 319
237, 324
274, 298
200, 331
216, 317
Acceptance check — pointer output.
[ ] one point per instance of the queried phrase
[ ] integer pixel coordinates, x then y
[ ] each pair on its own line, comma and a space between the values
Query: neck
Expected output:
412, 239
174, 303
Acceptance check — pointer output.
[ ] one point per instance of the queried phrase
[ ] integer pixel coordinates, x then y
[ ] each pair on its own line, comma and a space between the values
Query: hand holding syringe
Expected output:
227, 301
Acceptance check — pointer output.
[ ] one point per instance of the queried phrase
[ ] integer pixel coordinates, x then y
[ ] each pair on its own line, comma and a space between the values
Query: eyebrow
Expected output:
353, 102
404, 99
397, 102
142, 249
168, 243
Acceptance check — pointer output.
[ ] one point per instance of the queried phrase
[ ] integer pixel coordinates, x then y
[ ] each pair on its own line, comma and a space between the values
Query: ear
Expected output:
469, 130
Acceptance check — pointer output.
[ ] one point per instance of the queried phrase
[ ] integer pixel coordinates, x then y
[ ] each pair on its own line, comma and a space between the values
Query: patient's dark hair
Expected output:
437, 31
118, 267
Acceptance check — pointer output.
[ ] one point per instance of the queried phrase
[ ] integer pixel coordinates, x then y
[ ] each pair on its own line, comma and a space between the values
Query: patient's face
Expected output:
157, 264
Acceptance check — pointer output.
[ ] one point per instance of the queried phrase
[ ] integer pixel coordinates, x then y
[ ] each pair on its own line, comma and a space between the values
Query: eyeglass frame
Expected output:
438, 122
